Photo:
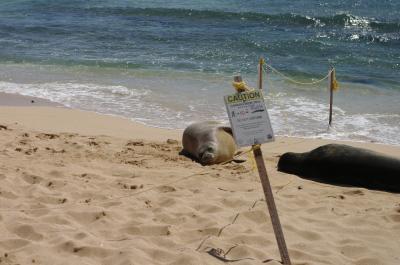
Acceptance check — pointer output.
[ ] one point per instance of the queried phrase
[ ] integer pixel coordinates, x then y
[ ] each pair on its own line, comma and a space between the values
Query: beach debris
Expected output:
3, 127
93, 143
172, 141
135, 143
55, 151
23, 142
31, 150
221, 255
148, 203
47, 136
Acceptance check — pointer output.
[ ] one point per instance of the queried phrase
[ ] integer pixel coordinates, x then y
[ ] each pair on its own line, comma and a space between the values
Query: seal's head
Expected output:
291, 163
207, 154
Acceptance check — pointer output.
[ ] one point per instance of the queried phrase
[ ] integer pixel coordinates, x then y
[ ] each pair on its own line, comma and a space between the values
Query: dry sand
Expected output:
82, 188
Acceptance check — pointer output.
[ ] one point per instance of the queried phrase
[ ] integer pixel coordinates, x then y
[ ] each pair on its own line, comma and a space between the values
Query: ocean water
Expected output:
167, 64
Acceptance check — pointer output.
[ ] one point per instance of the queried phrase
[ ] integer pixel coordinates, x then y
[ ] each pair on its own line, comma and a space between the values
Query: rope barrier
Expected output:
295, 81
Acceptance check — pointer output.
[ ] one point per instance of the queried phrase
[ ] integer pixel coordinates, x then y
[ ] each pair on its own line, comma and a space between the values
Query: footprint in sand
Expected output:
55, 219
14, 243
309, 235
353, 251
368, 261
85, 217
27, 232
165, 189
85, 251
208, 208
8, 194
147, 230
167, 202
256, 216
32, 179
80, 235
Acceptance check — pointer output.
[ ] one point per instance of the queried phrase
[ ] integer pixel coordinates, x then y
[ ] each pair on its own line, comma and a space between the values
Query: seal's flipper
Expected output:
184, 152
239, 161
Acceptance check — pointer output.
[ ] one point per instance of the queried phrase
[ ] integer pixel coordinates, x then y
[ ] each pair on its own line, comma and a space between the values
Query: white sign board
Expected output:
249, 118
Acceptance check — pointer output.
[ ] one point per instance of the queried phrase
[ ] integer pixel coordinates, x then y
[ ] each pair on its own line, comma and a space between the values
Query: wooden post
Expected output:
269, 197
331, 85
260, 73
237, 78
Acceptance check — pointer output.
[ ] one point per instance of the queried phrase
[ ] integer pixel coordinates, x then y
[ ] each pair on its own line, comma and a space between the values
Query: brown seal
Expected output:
208, 142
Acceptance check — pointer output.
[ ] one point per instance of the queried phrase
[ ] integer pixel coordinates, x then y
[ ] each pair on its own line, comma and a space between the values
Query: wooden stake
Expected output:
237, 78
260, 73
331, 80
269, 197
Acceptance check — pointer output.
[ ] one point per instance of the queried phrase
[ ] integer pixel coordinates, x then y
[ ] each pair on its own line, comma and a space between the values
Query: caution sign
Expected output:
249, 118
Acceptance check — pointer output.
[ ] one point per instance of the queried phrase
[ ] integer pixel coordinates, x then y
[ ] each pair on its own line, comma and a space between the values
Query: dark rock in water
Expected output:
345, 165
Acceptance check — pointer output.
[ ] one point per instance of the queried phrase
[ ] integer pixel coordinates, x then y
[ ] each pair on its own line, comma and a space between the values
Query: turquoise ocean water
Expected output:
168, 64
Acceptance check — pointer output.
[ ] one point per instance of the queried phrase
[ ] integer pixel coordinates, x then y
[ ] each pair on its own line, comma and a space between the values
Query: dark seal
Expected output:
344, 165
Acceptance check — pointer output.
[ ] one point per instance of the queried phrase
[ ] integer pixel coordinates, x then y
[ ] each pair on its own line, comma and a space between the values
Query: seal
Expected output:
345, 165
208, 142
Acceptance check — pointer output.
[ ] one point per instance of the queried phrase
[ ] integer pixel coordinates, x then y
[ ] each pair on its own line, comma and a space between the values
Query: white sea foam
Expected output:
304, 117
356, 21
291, 114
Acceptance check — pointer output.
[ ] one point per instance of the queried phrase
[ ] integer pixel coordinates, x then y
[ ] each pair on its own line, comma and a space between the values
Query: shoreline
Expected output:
65, 120
44, 114
18, 100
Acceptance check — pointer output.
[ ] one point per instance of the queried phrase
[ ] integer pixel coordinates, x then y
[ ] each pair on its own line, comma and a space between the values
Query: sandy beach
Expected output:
82, 188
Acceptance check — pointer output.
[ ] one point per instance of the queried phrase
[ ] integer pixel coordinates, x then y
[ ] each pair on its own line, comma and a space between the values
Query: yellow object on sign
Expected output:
241, 86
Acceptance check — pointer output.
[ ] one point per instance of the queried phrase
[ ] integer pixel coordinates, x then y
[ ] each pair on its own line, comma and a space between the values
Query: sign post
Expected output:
251, 126
273, 212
